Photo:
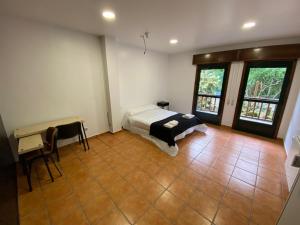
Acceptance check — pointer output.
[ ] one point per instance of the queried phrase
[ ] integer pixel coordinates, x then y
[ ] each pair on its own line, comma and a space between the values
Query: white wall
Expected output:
143, 78
290, 214
292, 144
48, 73
181, 79
291, 108
112, 82
293, 112
234, 81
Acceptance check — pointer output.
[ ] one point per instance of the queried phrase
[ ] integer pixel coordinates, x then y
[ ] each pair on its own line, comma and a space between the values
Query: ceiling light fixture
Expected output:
207, 56
173, 41
249, 25
109, 15
257, 49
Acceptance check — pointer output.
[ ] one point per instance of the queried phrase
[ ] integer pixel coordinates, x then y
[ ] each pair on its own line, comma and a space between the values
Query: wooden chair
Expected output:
69, 131
50, 146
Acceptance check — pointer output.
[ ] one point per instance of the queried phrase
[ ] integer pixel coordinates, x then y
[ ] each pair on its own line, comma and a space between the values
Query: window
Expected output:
210, 86
262, 98
209, 91
262, 94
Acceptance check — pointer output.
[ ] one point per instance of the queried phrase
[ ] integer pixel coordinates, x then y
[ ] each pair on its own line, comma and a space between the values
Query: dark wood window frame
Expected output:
276, 52
284, 95
218, 117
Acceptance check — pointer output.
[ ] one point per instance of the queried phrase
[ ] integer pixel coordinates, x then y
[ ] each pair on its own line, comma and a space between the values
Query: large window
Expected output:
209, 91
262, 93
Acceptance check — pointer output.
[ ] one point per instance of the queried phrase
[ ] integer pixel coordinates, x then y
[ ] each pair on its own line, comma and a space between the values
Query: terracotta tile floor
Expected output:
221, 177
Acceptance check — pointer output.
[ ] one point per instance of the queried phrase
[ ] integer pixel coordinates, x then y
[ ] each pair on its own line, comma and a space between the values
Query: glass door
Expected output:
263, 93
209, 94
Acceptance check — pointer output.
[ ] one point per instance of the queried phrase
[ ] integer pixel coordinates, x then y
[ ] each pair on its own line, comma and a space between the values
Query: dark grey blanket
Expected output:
168, 135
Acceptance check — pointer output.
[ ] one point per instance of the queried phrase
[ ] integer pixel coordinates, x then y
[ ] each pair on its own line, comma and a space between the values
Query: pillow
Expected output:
140, 109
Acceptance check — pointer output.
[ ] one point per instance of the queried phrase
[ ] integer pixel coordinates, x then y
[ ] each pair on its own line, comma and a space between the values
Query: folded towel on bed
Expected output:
158, 130
171, 124
174, 122
168, 125
188, 116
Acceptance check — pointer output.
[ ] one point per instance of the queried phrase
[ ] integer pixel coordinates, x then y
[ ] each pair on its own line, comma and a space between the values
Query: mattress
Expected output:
144, 119
139, 122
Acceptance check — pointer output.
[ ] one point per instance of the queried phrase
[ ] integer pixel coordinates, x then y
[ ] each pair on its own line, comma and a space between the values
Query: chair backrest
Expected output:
69, 130
51, 139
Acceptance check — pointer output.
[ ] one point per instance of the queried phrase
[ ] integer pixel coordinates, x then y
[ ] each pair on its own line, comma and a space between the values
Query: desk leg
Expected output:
82, 139
85, 138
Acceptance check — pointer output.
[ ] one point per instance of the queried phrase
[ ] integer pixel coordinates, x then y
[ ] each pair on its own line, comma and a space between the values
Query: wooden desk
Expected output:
42, 127
30, 143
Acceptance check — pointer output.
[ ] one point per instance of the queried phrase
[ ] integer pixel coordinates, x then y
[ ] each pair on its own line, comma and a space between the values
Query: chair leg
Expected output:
23, 162
53, 161
47, 165
79, 139
57, 154
30, 167
28, 175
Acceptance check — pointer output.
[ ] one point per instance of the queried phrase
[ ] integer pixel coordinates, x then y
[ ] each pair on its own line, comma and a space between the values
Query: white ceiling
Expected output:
196, 23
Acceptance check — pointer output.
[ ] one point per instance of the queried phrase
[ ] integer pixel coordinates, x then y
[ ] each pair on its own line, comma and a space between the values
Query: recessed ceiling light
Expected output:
257, 49
248, 25
173, 41
207, 56
109, 15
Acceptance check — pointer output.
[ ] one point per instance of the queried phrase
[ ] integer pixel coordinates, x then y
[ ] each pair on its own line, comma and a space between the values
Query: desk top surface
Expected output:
30, 143
41, 127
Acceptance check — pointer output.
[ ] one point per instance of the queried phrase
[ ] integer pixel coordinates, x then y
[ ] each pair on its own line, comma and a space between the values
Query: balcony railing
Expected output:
259, 110
208, 103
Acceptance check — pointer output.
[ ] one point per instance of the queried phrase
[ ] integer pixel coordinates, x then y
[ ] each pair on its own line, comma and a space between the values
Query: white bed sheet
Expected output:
140, 124
144, 119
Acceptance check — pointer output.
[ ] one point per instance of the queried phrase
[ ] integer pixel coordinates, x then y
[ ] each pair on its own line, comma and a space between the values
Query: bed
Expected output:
139, 121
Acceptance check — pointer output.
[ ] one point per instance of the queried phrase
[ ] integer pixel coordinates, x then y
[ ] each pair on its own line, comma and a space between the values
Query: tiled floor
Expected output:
221, 177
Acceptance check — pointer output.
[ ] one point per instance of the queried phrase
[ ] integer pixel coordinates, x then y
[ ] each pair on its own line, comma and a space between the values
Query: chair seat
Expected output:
38, 154
32, 155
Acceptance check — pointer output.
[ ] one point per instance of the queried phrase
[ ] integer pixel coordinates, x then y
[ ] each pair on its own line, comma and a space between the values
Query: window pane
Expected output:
244, 108
265, 82
258, 112
211, 81
208, 104
263, 112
